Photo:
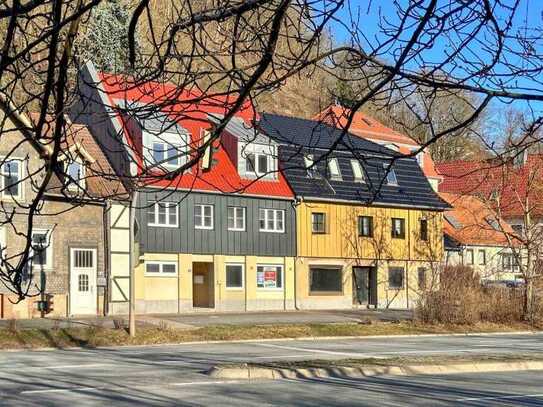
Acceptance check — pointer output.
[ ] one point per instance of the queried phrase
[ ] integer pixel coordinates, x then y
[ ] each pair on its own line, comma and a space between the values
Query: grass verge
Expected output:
99, 336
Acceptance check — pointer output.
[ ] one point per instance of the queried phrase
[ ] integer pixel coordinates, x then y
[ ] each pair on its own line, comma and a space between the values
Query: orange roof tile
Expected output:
471, 222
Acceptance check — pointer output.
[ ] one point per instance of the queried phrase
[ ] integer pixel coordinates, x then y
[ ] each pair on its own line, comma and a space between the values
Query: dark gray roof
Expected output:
299, 137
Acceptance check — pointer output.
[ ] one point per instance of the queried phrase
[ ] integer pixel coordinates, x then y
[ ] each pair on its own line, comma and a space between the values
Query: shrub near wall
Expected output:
461, 299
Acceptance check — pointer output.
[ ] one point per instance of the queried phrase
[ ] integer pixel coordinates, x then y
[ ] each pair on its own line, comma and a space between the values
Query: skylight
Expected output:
358, 173
311, 167
493, 223
333, 168
453, 221
391, 175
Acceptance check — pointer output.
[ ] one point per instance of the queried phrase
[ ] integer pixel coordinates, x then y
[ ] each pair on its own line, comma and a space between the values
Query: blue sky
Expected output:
528, 15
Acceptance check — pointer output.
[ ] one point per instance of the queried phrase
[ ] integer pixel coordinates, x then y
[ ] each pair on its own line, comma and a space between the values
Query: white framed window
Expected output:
391, 175
257, 163
333, 169
12, 176
358, 172
75, 175
271, 220
269, 276
42, 249
203, 216
163, 214
236, 218
166, 150
482, 257
311, 169
160, 268
258, 160
235, 276
470, 260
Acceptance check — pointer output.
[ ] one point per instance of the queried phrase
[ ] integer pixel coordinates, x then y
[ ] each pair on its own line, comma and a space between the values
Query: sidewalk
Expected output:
195, 320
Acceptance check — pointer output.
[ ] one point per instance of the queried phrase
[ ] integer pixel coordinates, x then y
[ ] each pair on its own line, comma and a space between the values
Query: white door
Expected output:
83, 296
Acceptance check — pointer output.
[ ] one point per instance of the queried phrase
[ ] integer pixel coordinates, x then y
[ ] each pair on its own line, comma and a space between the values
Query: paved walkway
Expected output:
200, 319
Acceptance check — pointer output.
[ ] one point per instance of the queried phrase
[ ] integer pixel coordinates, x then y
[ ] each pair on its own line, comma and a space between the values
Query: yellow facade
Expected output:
341, 246
176, 293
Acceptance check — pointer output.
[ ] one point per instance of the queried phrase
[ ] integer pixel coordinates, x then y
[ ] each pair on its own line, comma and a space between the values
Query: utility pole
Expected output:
133, 262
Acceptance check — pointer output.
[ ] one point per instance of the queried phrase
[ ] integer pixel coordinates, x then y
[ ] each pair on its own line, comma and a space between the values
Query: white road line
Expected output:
514, 396
327, 352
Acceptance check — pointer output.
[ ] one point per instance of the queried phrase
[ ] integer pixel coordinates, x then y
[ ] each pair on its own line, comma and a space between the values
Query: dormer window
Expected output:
75, 175
333, 169
358, 173
258, 160
165, 150
257, 163
391, 175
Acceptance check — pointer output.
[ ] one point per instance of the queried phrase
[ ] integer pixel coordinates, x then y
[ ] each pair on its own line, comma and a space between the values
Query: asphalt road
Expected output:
172, 375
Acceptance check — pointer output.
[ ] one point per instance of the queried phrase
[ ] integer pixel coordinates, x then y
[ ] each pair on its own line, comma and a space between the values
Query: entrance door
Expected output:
365, 285
202, 285
83, 295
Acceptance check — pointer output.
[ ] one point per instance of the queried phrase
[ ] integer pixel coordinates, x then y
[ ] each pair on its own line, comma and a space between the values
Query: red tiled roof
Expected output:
473, 227
185, 108
519, 188
367, 127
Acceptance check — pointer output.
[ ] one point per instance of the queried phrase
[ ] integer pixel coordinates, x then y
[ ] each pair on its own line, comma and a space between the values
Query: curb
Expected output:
262, 373
303, 338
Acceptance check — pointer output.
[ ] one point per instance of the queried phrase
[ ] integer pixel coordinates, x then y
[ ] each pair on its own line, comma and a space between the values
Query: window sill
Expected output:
271, 231
203, 228
236, 230
155, 225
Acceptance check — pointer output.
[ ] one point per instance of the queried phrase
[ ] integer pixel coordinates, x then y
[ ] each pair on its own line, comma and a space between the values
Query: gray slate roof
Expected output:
298, 137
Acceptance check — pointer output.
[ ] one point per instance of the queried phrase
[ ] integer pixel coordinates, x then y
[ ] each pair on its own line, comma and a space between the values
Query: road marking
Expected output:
64, 389
205, 383
515, 396
328, 352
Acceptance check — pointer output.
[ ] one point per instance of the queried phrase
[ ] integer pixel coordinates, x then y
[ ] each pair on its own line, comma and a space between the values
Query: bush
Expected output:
461, 299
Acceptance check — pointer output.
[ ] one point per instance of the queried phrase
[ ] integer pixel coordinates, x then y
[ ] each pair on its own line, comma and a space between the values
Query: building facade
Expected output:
479, 238
369, 229
67, 233
217, 236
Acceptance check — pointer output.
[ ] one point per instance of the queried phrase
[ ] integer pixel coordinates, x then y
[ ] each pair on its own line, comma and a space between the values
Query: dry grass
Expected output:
461, 299
100, 336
